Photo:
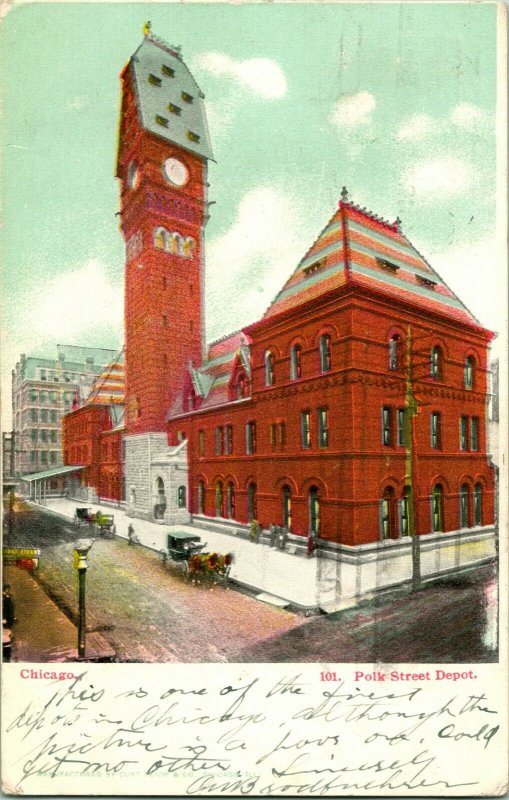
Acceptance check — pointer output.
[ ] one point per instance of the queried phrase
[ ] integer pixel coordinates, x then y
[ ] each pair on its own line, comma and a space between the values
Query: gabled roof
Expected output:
160, 79
357, 246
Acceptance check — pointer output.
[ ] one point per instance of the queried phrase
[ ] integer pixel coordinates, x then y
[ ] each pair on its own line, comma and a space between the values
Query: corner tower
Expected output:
163, 150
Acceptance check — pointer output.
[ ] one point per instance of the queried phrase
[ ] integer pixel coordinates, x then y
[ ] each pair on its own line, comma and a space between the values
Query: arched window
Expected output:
191, 399
230, 500
387, 514
132, 497
242, 385
188, 247
464, 506
219, 499
325, 353
436, 363
437, 508
201, 497
468, 373
269, 368
314, 510
181, 497
287, 507
395, 352
160, 238
172, 243
252, 505
477, 504
405, 521
296, 362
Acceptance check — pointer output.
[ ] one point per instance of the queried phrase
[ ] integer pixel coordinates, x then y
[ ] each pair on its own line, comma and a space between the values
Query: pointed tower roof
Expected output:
108, 388
170, 103
358, 247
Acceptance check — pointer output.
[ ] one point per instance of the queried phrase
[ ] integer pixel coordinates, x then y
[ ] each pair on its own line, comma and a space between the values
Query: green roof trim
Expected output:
49, 473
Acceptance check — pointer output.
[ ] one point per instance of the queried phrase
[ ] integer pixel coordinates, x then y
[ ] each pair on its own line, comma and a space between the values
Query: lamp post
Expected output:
81, 549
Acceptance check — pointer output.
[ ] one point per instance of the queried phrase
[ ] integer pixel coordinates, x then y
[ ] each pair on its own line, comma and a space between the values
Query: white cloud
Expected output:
353, 109
248, 264
263, 76
444, 175
465, 115
416, 127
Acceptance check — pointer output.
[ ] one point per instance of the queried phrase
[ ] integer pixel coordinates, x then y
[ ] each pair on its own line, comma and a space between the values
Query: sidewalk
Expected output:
42, 632
289, 578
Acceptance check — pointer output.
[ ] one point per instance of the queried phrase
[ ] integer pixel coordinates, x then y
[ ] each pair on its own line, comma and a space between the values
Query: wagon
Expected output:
180, 546
185, 549
105, 524
83, 516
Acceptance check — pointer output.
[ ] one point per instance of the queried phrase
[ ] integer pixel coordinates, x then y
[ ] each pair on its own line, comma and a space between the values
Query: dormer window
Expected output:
161, 121
427, 282
387, 265
168, 71
154, 80
194, 137
174, 109
315, 267
187, 98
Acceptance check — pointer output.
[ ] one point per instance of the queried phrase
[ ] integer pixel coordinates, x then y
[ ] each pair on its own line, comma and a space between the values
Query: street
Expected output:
148, 612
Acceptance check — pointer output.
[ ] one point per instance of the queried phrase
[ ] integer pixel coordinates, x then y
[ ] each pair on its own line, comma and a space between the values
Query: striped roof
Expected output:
109, 387
358, 247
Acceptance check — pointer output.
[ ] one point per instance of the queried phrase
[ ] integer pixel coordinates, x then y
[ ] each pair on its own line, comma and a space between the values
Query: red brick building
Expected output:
354, 410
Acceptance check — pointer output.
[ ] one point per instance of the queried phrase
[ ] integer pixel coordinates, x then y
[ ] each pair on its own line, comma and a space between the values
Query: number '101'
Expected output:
328, 676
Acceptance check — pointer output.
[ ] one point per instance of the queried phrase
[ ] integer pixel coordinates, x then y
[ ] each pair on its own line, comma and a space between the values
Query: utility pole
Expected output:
410, 466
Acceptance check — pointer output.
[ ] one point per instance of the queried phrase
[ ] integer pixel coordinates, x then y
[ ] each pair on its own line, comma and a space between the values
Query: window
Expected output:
53, 457
314, 510
395, 352
252, 502
401, 427
219, 441
33, 414
474, 433
44, 456
154, 80
53, 437
305, 432
168, 71
296, 362
468, 373
44, 435
33, 435
282, 434
201, 443
436, 431
174, 109
161, 121
436, 363
387, 514
230, 500
404, 512
219, 499
325, 353
201, 497
33, 456
44, 415
33, 395
387, 426
53, 415
43, 397
463, 433
269, 368
437, 508
464, 506
53, 397
287, 507
272, 434
242, 385
181, 497
187, 98
165, 320
193, 137
427, 282
228, 440
323, 427
250, 438
477, 504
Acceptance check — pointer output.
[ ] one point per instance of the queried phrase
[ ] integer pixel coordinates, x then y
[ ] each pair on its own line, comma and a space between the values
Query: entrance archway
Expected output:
159, 499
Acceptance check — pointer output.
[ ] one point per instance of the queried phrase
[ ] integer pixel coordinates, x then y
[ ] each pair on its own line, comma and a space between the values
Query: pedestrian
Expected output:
311, 545
130, 534
8, 606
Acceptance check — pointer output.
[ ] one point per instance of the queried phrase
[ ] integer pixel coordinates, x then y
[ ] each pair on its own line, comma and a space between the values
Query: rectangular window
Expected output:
53, 415
168, 71
53, 457
228, 440
161, 121
386, 426
219, 440
44, 435
44, 456
193, 137
250, 438
272, 434
474, 433
282, 434
154, 80
33, 414
33, 395
53, 436
323, 427
201, 443
33, 435
401, 427
305, 432
174, 109
463, 433
187, 98
33, 456
436, 431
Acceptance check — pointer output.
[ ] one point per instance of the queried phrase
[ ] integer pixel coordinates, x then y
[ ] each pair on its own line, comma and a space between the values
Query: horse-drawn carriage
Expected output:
185, 549
103, 523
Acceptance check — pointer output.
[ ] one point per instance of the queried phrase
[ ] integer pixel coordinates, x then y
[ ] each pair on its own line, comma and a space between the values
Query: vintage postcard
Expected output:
254, 385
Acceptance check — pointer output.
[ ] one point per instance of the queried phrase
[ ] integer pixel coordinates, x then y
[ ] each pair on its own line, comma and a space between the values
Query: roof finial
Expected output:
397, 224
344, 194
147, 28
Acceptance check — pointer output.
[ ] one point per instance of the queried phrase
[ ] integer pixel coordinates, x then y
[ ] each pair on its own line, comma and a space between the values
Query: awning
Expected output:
49, 473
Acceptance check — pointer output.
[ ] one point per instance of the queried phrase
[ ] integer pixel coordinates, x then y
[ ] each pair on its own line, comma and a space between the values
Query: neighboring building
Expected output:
8, 452
354, 411
43, 390
493, 412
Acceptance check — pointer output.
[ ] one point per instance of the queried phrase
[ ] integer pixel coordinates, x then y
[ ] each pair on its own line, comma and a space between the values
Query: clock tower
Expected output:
163, 150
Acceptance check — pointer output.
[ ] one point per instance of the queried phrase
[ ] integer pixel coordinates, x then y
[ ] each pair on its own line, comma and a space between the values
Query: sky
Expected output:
396, 102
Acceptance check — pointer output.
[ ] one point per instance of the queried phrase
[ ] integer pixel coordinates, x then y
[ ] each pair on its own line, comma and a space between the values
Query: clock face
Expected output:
133, 175
175, 172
